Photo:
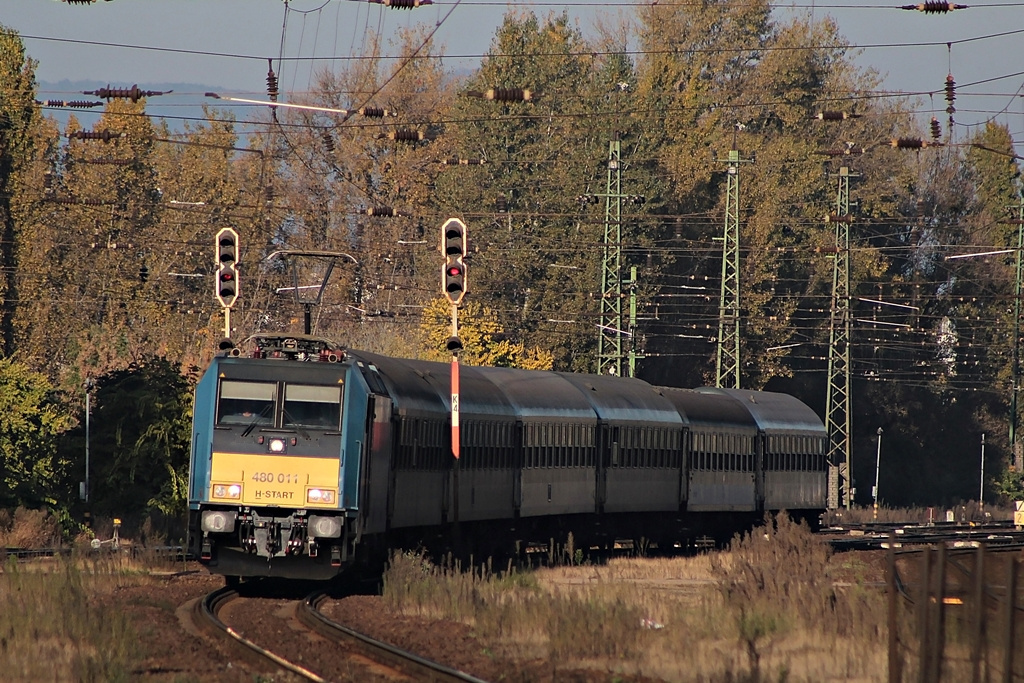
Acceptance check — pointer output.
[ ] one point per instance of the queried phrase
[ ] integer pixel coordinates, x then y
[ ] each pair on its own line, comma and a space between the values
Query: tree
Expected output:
32, 418
141, 435
484, 340
18, 117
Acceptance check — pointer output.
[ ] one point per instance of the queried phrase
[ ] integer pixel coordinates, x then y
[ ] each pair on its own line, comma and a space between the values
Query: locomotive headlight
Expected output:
324, 527
229, 491
276, 446
322, 496
218, 521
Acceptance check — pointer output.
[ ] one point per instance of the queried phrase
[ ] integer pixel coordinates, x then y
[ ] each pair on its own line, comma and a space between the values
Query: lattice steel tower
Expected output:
727, 365
609, 343
837, 400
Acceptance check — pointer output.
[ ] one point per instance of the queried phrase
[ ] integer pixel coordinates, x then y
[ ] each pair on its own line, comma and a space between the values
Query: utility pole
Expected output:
981, 491
1015, 447
609, 343
727, 365
837, 400
633, 355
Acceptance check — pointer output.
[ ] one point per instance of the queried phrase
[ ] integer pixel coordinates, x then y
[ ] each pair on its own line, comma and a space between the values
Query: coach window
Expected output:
246, 403
312, 407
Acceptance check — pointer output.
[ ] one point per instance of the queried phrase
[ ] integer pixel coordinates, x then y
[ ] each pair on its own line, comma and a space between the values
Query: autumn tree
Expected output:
19, 118
485, 342
32, 417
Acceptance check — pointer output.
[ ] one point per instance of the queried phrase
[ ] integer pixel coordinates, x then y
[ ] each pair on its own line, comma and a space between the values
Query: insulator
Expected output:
835, 116
933, 7
272, 90
104, 135
381, 211
84, 202
133, 93
107, 161
833, 217
455, 161
501, 204
405, 135
936, 129
328, 142
950, 93
508, 95
849, 150
79, 2
908, 143
375, 112
402, 4
268, 194
71, 104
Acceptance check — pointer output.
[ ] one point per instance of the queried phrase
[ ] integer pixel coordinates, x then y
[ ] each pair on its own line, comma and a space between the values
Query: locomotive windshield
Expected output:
255, 404
248, 403
312, 406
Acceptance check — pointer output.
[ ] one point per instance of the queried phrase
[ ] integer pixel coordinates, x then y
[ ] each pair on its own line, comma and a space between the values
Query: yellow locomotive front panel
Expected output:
274, 480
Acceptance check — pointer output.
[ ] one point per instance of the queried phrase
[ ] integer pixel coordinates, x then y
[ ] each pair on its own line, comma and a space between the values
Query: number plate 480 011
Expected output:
276, 479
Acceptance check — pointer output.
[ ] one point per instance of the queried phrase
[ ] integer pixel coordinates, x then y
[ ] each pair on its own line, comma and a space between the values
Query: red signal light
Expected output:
454, 270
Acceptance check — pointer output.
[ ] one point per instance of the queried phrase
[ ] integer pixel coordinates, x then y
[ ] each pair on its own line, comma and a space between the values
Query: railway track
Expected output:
385, 661
876, 536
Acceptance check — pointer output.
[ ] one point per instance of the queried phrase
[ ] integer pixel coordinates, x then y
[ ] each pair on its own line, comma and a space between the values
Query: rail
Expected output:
206, 617
413, 665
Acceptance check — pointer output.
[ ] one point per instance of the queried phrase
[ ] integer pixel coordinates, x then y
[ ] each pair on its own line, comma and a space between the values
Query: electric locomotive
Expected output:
307, 458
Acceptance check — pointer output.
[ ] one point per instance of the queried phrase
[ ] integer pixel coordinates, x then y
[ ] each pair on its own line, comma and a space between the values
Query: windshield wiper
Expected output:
288, 418
255, 420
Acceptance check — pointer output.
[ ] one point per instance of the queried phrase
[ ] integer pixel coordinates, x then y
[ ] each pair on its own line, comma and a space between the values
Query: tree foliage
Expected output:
484, 340
106, 249
32, 417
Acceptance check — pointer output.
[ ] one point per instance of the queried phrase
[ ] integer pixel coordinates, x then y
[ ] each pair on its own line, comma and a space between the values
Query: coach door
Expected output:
608, 449
376, 470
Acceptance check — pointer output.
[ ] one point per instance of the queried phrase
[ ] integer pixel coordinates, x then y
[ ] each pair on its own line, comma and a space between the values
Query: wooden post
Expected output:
938, 614
895, 660
1011, 614
978, 617
923, 598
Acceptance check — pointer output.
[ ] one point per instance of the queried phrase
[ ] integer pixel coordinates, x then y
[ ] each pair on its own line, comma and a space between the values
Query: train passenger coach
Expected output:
307, 458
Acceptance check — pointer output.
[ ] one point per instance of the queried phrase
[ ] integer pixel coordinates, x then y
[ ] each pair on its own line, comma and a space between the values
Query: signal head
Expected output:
227, 267
453, 247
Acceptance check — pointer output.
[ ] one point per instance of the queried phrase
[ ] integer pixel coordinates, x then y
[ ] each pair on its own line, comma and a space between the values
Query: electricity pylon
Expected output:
727, 365
837, 400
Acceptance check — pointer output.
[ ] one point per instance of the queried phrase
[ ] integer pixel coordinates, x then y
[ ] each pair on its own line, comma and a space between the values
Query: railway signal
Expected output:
453, 288
227, 267
453, 246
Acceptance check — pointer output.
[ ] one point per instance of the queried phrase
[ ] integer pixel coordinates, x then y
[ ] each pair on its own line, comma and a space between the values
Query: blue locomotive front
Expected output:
274, 474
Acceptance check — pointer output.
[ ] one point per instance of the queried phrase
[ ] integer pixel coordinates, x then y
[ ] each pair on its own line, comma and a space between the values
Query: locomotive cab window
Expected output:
246, 403
312, 406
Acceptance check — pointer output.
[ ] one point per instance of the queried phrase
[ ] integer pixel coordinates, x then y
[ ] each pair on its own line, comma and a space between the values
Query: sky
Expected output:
908, 47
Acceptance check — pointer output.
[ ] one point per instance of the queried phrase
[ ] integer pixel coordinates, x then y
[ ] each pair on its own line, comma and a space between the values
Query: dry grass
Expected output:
29, 529
766, 610
60, 617
58, 623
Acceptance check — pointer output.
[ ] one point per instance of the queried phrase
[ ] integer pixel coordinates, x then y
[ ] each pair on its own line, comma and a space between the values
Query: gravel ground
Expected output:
172, 650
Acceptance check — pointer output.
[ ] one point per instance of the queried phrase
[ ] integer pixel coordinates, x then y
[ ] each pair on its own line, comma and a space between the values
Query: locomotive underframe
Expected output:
248, 541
